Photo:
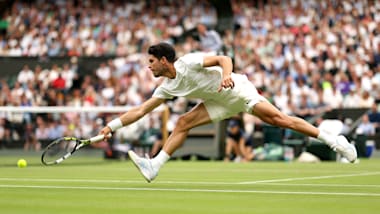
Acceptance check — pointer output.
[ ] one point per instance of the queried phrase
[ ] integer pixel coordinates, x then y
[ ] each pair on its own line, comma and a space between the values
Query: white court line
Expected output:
192, 190
71, 180
115, 181
322, 185
311, 178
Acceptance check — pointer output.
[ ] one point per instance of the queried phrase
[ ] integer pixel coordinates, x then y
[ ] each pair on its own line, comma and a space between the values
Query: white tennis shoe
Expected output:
344, 148
144, 165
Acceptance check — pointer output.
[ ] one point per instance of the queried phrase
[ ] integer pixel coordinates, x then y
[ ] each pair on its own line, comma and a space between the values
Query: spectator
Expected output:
366, 100
30, 139
334, 98
25, 102
343, 84
56, 129
305, 109
68, 75
365, 127
25, 75
53, 73
103, 72
16, 93
59, 83
374, 117
237, 144
210, 40
41, 130
351, 100
108, 92
4, 130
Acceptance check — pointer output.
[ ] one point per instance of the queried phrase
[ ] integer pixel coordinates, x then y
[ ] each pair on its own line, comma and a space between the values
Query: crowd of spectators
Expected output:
310, 56
306, 56
98, 28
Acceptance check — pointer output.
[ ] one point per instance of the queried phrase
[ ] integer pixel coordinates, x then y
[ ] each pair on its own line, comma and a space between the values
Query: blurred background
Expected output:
69, 67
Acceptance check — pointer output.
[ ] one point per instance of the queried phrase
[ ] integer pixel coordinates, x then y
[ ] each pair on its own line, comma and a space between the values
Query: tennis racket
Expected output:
62, 148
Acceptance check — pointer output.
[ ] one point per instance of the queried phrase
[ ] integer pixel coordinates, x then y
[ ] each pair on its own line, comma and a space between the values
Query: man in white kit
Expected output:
224, 94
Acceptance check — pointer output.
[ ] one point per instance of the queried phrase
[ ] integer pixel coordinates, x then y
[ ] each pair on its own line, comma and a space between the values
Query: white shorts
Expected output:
241, 98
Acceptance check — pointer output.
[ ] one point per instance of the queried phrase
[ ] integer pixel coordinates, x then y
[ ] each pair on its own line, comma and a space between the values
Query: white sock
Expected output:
160, 159
325, 137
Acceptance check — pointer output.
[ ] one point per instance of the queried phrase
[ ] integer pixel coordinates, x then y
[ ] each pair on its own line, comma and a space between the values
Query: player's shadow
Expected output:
64, 164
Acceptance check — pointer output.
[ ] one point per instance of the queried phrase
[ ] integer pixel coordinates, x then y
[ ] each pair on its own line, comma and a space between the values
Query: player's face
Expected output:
156, 66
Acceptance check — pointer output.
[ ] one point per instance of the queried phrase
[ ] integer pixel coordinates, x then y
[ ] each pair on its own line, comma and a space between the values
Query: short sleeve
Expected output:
193, 60
160, 93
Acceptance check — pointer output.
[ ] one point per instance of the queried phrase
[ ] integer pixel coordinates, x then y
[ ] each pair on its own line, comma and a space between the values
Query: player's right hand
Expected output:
107, 132
227, 82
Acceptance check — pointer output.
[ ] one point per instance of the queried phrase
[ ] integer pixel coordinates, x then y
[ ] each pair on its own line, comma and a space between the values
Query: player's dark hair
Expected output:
162, 49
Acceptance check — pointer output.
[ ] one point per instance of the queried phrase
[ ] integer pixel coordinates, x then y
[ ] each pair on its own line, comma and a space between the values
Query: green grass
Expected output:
93, 185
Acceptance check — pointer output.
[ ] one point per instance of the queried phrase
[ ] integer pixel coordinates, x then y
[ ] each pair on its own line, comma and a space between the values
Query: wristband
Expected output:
115, 124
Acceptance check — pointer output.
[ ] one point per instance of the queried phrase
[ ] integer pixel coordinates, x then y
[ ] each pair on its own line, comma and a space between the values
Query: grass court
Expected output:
90, 184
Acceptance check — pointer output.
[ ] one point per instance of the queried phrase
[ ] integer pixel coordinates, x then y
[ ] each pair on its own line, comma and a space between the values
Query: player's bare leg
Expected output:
271, 115
149, 168
196, 117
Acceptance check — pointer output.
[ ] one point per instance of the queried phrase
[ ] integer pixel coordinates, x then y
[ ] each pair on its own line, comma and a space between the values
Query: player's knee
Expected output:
183, 123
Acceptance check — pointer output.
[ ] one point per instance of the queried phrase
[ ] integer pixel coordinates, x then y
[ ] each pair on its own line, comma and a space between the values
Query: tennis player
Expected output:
224, 94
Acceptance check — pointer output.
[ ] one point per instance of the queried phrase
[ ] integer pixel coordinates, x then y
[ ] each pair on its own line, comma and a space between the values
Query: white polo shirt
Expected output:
195, 81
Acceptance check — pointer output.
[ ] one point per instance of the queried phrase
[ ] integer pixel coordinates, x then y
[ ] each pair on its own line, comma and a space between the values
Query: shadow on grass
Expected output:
63, 164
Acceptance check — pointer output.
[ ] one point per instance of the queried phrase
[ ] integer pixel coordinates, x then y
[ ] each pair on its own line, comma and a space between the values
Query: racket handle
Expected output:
99, 138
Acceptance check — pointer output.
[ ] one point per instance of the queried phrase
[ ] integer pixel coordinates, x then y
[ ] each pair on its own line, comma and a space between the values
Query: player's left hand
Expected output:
227, 82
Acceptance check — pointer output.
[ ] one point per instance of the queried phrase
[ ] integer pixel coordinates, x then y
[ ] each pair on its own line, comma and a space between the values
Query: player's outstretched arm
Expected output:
226, 63
132, 115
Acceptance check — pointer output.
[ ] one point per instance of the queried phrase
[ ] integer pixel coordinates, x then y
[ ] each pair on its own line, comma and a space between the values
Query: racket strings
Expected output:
59, 149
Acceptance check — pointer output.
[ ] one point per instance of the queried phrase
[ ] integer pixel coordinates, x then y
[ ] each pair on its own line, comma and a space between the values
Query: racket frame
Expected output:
79, 143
